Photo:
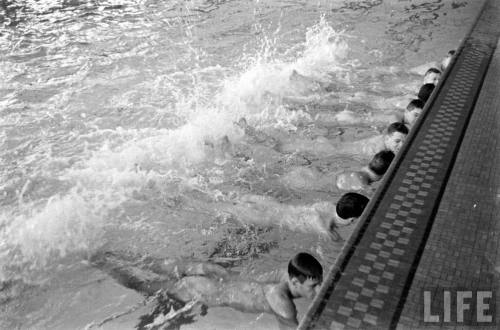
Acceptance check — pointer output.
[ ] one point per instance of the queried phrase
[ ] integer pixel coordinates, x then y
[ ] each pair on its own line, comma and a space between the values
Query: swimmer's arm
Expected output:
282, 307
181, 268
204, 269
286, 314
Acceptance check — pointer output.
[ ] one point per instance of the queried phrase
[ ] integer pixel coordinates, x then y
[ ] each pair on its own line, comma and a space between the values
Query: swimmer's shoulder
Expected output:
352, 180
281, 303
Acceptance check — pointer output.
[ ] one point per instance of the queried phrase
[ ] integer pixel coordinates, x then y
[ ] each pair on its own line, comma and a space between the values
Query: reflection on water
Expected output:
121, 130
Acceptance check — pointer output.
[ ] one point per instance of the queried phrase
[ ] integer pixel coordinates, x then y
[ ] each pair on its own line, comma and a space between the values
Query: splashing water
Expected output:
99, 182
120, 127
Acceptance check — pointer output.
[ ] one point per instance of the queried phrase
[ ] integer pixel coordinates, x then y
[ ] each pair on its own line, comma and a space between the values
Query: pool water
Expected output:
119, 131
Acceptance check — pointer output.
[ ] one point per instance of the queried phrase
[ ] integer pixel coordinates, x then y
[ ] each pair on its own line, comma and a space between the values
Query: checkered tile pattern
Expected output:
465, 253
370, 289
377, 272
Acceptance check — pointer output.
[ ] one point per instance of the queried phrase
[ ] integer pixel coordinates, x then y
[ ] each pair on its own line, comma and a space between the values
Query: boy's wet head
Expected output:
425, 92
413, 111
432, 76
381, 162
305, 274
395, 137
415, 104
351, 205
303, 266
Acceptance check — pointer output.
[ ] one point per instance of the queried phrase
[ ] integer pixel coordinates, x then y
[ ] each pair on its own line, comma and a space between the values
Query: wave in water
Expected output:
34, 233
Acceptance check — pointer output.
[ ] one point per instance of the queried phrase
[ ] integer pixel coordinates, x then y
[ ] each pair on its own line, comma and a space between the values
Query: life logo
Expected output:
447, 306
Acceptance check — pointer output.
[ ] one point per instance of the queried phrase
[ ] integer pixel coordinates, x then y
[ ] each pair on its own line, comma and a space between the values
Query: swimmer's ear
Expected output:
294, 281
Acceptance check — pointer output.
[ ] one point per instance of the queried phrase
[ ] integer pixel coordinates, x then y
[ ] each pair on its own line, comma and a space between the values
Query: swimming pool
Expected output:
113, 113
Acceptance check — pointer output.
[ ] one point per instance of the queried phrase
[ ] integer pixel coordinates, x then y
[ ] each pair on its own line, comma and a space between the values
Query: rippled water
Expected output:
113, 116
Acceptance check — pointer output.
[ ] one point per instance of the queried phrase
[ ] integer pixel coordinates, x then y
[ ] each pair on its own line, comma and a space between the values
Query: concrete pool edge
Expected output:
482, 41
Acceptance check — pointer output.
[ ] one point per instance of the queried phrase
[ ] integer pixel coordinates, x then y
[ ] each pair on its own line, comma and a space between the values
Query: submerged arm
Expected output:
206, 269
280, 300
179, 268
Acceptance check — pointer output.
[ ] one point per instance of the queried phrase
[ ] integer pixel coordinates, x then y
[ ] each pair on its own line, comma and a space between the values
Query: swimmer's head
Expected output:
395, 136
447, 60
381, 162
432, 76
413, 111
425, 92
349, 207
305, 274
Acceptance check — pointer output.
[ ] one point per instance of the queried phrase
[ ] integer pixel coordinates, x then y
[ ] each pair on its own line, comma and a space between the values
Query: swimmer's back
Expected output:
243, 296
249, 297
352, 181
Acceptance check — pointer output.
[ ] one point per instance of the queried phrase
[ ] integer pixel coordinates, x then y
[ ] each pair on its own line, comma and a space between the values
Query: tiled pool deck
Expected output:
435, 224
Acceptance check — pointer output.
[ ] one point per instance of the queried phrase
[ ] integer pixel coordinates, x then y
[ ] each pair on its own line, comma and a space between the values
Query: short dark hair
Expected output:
397, 127
351, 205
425, 92
304, 266
452, 52
433, 70
415, 104
381, 162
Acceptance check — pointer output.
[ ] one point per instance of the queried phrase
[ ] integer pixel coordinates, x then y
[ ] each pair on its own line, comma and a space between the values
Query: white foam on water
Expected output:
267, 78
61, 225
38, 232
326, 51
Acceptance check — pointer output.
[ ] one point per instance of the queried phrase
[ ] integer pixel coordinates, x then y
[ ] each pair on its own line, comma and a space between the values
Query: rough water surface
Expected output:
120, 130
